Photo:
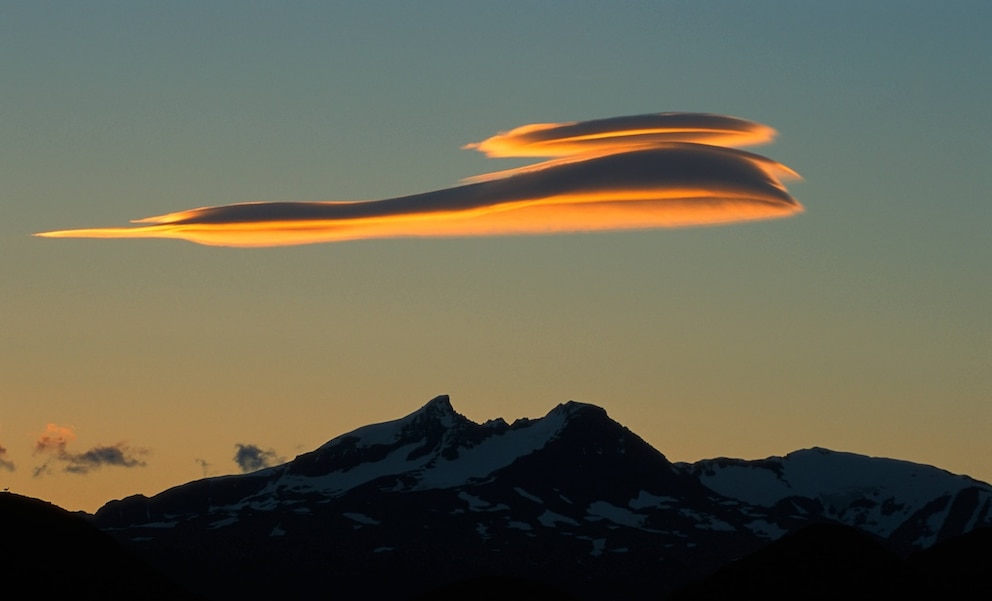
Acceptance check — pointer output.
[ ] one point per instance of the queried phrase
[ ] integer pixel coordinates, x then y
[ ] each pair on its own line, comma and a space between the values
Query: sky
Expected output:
132, 365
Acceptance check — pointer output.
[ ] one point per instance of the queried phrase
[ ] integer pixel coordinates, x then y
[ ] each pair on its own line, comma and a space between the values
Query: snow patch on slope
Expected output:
549, 519
386, 433
361, 518
523, 493
831, 475
336, 483
875, 494
617, 515
427, 471
644, 499
496, 452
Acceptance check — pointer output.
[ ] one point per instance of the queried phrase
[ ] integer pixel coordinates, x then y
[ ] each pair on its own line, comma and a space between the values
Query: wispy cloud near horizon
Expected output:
622, 173
55, 440
5, 464
252, 458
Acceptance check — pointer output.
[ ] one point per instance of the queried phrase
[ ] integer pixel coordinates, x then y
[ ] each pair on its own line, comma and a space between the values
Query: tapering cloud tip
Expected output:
622, 173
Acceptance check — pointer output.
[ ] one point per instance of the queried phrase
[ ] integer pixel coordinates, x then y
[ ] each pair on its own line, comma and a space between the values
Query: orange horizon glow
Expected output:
625, 173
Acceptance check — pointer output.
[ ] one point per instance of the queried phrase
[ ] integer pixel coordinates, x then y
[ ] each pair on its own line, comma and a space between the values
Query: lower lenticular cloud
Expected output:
623, 173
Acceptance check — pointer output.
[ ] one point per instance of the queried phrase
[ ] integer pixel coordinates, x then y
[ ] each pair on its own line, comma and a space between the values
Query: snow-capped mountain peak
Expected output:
566, 496
577, 472
433, 447
438, 412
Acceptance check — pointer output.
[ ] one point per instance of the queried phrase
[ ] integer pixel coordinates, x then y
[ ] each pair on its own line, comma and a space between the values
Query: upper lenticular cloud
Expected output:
637, 172
618, 133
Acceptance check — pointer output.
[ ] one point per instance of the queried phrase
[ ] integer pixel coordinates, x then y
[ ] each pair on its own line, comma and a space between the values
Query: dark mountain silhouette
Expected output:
823, 561
574, 501
47, 550
831, 561
495, 588
958, 568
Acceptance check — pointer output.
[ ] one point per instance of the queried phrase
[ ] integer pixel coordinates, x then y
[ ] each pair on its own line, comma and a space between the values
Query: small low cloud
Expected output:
5, 463
54, 439
622, 173
252, 458
120, 455
54, 443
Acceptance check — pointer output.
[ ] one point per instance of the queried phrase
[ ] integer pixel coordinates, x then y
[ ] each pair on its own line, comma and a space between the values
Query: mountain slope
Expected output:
830, 561
46, 546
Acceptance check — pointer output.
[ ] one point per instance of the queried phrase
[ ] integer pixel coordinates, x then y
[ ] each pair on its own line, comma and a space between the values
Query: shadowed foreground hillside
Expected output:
46, 548
831, 561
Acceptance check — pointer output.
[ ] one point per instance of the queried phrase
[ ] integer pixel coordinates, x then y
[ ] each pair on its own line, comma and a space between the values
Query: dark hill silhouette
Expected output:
959, 568
822, 561
831, 561
46, 547
495, 588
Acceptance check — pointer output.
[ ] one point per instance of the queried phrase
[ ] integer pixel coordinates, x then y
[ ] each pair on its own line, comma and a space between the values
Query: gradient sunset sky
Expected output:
863, 324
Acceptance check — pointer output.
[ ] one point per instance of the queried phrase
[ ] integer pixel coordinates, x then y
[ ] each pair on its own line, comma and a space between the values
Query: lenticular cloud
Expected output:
622, 173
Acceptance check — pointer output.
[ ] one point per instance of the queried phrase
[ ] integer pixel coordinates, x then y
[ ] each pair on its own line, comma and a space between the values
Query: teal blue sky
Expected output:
861, 325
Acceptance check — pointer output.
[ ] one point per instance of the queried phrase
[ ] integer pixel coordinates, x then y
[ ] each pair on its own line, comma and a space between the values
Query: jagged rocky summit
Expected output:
573, 499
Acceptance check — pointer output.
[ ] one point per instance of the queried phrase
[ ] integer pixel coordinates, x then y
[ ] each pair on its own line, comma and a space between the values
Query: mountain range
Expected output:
573, 501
